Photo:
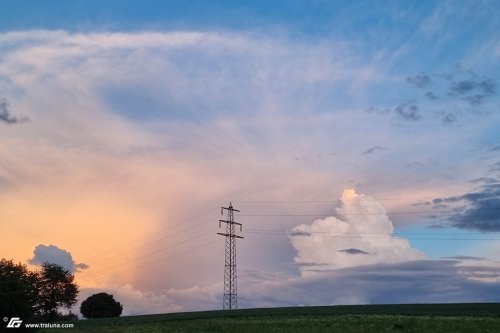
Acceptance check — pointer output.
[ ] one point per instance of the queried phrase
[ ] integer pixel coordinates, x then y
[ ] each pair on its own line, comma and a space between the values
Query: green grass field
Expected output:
419, 318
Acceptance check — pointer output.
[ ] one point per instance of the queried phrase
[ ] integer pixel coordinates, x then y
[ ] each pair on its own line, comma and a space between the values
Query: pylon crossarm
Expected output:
228, 208
229, 235
230, 222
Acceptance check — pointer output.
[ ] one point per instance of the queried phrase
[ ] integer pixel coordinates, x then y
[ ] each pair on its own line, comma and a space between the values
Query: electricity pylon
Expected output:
230, 288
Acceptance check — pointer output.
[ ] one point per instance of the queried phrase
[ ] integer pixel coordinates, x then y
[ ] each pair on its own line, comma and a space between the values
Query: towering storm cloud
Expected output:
362, 234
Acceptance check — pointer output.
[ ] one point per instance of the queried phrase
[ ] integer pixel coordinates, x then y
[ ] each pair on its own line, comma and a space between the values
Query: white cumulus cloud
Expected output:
362, 234
134, 301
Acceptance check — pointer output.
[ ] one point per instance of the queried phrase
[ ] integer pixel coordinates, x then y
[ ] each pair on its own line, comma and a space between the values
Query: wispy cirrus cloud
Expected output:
136, 129
93, 160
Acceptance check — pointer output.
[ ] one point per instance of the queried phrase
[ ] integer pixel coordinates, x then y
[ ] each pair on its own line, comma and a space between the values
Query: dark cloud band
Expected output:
480, 210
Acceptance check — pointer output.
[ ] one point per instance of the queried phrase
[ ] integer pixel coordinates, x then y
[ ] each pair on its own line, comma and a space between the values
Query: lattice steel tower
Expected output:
230, 288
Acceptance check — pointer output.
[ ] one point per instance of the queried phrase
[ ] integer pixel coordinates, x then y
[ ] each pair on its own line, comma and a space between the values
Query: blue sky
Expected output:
298, 15
122, 121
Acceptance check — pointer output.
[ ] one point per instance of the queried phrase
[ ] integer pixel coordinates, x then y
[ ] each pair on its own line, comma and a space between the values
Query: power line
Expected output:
165, 248
149, 243
102, 277
162, 238
145, 244
143, 239
368, 214
368, 233
358, 198
277, 232
192, 219
360, 236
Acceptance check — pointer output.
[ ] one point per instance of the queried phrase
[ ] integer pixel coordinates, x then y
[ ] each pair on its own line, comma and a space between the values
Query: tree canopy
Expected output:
27, 294
101, 305
56, 289
18, 290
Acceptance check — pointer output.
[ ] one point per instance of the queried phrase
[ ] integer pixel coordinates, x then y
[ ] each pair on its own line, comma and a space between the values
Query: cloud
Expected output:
102, 162
54, 255
463, 87
139, 302
6, 116
494, 167
454, 279
224, 107
420, 81
362, 227
430, 95
461, 257
479, 210
485, 180
487, 86
475, 99
473, 89
353, 251
422, 281
372, 150
407, 111
449, 118
134, 301
460, 91
350, 259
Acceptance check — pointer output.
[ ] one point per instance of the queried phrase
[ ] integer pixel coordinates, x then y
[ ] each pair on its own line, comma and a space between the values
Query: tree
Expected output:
27, 294
56, 289
18, 290
101, 305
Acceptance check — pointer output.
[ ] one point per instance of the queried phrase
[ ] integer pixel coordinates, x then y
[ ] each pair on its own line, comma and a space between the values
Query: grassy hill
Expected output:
481, 317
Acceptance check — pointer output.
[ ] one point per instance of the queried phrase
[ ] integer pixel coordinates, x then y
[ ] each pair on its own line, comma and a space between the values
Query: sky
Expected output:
360, 143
